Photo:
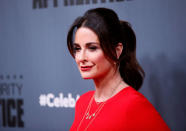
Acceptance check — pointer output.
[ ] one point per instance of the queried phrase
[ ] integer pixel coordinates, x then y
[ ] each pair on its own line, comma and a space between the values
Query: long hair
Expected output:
111, 31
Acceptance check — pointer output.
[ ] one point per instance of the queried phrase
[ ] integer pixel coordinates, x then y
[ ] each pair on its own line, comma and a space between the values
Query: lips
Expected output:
86, 68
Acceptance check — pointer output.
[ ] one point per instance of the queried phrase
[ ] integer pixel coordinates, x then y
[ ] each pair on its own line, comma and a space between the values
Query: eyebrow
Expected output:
89, 43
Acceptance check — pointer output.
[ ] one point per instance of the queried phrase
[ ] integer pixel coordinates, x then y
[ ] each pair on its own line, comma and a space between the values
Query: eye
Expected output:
76, 48
92, 48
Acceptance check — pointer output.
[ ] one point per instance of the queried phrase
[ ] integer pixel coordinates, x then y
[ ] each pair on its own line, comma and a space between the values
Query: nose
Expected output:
81, 56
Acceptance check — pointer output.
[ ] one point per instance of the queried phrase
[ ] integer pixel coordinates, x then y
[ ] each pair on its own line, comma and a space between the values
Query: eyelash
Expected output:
92, 48
76, 48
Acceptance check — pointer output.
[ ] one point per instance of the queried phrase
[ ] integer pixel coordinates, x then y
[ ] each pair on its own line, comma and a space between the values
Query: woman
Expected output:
104, 49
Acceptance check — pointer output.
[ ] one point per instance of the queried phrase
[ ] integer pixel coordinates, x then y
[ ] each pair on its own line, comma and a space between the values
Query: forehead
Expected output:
85, 35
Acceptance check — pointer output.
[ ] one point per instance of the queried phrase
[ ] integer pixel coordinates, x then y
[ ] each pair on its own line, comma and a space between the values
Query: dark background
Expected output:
33, 55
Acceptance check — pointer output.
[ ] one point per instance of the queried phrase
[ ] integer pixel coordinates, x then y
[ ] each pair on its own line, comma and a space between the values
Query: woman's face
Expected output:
89, 56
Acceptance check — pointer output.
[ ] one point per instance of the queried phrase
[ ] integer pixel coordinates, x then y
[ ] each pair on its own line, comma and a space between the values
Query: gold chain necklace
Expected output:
93, 115
88, 115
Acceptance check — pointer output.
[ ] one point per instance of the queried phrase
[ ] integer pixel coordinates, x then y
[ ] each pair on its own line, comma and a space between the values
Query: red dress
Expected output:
128, 110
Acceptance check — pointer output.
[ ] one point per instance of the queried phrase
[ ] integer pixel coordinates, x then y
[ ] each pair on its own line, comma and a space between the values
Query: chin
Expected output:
87, 76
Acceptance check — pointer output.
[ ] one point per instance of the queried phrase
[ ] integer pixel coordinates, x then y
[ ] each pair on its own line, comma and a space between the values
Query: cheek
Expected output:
96, 57
77, 58
101, 61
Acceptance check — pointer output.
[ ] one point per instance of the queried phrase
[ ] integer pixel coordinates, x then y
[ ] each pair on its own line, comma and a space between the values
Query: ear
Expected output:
119, 49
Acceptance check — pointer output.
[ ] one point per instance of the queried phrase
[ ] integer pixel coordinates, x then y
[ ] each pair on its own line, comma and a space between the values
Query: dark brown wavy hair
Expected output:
111, 31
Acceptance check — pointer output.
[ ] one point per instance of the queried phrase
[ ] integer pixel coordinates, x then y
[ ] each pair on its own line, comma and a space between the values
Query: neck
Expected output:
108, 86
